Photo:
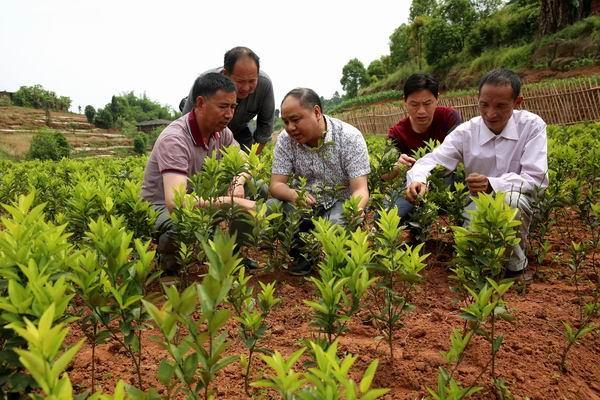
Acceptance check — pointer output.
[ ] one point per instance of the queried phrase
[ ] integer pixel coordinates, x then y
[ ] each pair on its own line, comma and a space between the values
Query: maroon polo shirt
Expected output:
406, 140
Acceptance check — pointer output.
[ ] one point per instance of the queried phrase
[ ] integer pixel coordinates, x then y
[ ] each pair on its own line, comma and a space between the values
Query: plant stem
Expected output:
247, 375
492, 343
94, 356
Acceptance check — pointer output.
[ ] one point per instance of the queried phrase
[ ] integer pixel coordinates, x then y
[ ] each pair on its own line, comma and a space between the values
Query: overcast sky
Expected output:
90, 50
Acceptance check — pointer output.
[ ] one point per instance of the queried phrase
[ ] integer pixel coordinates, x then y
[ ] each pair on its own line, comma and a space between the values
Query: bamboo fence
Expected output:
560, 103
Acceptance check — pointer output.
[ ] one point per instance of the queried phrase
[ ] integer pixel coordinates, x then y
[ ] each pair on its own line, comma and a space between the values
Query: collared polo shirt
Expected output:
179, 149
516, 159
342, 156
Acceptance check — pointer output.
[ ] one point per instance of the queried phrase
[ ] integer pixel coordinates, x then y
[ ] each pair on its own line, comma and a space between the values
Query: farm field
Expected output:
103, 286
19, 124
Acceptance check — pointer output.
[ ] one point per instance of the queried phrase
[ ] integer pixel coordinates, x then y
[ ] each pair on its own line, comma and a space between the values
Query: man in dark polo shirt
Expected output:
179, 153
255, 98
425, 121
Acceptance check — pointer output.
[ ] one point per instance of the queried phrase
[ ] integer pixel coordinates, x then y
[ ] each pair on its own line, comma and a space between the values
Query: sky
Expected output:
90, 50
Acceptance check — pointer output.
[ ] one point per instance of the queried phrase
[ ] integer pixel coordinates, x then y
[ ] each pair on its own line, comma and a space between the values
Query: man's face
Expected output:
301, 123
496, 104
421, 107
216, 111
244, 76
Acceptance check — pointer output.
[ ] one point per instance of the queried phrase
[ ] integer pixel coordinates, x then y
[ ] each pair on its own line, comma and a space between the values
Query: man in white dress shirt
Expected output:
503, 150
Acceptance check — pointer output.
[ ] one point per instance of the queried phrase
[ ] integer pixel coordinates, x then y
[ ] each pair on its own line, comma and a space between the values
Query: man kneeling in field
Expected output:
179, 153
503, 150
327, 152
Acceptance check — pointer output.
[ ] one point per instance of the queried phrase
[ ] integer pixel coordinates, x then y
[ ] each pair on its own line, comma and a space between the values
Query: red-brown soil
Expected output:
528, 360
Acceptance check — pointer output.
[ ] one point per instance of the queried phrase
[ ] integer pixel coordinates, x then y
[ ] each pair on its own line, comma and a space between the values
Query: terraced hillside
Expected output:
18, 125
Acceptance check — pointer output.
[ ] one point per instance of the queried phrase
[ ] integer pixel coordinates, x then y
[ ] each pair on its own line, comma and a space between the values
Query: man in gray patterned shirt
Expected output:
255, 98
328, 152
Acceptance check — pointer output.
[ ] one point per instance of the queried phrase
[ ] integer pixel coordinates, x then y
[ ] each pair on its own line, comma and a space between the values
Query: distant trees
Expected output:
104, 118
49, 144
130, 108
37, 97
90, 113
354, 76
332, 102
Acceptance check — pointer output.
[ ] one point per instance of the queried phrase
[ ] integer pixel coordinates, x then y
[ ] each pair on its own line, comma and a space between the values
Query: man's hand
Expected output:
306, 201
406, 160
403, 161
478, 183
415, 190
237, 191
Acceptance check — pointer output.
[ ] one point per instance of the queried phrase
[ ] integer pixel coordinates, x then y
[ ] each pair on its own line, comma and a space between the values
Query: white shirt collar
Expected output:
509, 131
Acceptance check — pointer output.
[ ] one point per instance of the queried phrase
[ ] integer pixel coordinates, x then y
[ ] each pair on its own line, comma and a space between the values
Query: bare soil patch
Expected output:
528, 360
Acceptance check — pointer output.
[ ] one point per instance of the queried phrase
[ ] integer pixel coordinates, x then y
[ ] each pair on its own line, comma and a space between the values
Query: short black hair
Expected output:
307, 98
208, 84
421, 81
501, 77
233, 55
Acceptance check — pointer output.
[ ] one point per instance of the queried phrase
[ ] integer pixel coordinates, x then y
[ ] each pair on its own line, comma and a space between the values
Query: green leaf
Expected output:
165, 372
368, 376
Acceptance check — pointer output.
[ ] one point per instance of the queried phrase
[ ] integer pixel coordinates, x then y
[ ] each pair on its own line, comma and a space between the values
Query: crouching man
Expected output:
327, 152
503, 150
179, 153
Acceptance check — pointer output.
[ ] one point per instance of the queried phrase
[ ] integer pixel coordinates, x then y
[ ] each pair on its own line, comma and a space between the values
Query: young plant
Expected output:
399, 272
34, 258
481, 316
112, 283
343, 279
488, 306
482, 248
252, 314
329, 379
47, 365
589, 310
352, 214
42, 358
196, 346
286, 381
423, 217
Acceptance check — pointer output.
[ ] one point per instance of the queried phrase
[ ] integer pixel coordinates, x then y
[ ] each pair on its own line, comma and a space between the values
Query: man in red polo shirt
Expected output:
425, 121
179, 153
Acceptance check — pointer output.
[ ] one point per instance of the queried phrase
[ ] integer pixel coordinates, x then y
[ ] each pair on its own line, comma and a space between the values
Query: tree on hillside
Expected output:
556, 14
354, 76
90, 113
485, 8
442, 40
460, 15
422, 7
37, 97
376, 70
400, 44
104, 118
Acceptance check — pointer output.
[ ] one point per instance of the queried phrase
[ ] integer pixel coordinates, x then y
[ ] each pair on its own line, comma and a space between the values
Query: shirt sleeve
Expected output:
533, 166
173, 156
449, 154
283, 156
356, 156
266, 114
